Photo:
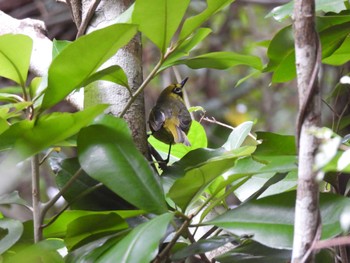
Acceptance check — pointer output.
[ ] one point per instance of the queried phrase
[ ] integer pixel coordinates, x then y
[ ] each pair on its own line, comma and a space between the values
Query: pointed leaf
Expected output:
186, 47
83, 57
192, 23
141, 244
15, 52
53, 128
12, 198
159, 19
113, 73
10, 232
188, 188
237, 136
270, 220
110, 156
221, 60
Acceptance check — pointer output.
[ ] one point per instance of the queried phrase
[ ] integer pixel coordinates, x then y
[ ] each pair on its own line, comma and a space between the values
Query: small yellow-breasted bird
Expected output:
169, 119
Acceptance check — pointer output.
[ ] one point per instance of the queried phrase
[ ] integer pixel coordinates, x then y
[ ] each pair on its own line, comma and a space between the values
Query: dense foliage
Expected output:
120, 206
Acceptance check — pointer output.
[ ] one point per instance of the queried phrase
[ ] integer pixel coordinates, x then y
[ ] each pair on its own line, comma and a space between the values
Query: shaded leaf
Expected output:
202, 246
188, 188
141, 244
12, 198
270, 220
120, 166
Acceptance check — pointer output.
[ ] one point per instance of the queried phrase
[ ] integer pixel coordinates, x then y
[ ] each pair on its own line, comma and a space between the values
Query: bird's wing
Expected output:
156, 119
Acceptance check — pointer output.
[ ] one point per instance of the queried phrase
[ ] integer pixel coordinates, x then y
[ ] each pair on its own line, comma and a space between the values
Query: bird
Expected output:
170, 120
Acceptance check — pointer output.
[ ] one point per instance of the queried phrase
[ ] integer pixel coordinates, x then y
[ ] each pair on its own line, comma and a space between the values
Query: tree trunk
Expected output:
307, 52
129, 58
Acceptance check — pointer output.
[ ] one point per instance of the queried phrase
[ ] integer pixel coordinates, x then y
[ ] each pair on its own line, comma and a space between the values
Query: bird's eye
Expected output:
177, 90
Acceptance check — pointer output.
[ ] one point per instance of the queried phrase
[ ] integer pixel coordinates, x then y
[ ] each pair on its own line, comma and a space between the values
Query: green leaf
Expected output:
286, 10
221, 60
188, 188
58, 46
87, 228
281, 56
250, 251
53, 128
202, 246
15, 52
113, 73
59, 227
80, 59
192, 23
43, 251
186, 47
340, 56
270, 220
159, 19
9, 137
100, 199
275, 144
196, 136
141, 244
120, 167
237, 136
10, 232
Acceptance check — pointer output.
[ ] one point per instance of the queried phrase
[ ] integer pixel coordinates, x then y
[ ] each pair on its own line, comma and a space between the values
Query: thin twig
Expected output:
213, 120
192, 240
337, 241
87, 19
178, 233
36, 198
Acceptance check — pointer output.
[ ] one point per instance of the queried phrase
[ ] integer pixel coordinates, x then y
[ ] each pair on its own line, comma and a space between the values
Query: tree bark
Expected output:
307, 53
129, 58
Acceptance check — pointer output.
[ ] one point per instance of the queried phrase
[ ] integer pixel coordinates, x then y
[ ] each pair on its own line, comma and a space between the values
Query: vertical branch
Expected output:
36, 198
307, 54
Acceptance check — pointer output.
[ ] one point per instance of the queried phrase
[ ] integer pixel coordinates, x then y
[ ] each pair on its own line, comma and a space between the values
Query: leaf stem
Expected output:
36, 198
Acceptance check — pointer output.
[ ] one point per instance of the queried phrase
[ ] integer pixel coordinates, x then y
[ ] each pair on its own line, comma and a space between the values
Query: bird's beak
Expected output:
183, 82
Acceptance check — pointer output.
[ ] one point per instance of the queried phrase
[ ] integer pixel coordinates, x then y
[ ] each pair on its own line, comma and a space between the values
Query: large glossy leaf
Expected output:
196, 136
159, 19
341, 55
15, 52
141, 244
221, 60
53, 128
83, 57
275, 144
281, 56
10, 232
110, 156
188, 188
86, 228
43, 251
59, 227
100, 199
253, 252
270, 220
192, 23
